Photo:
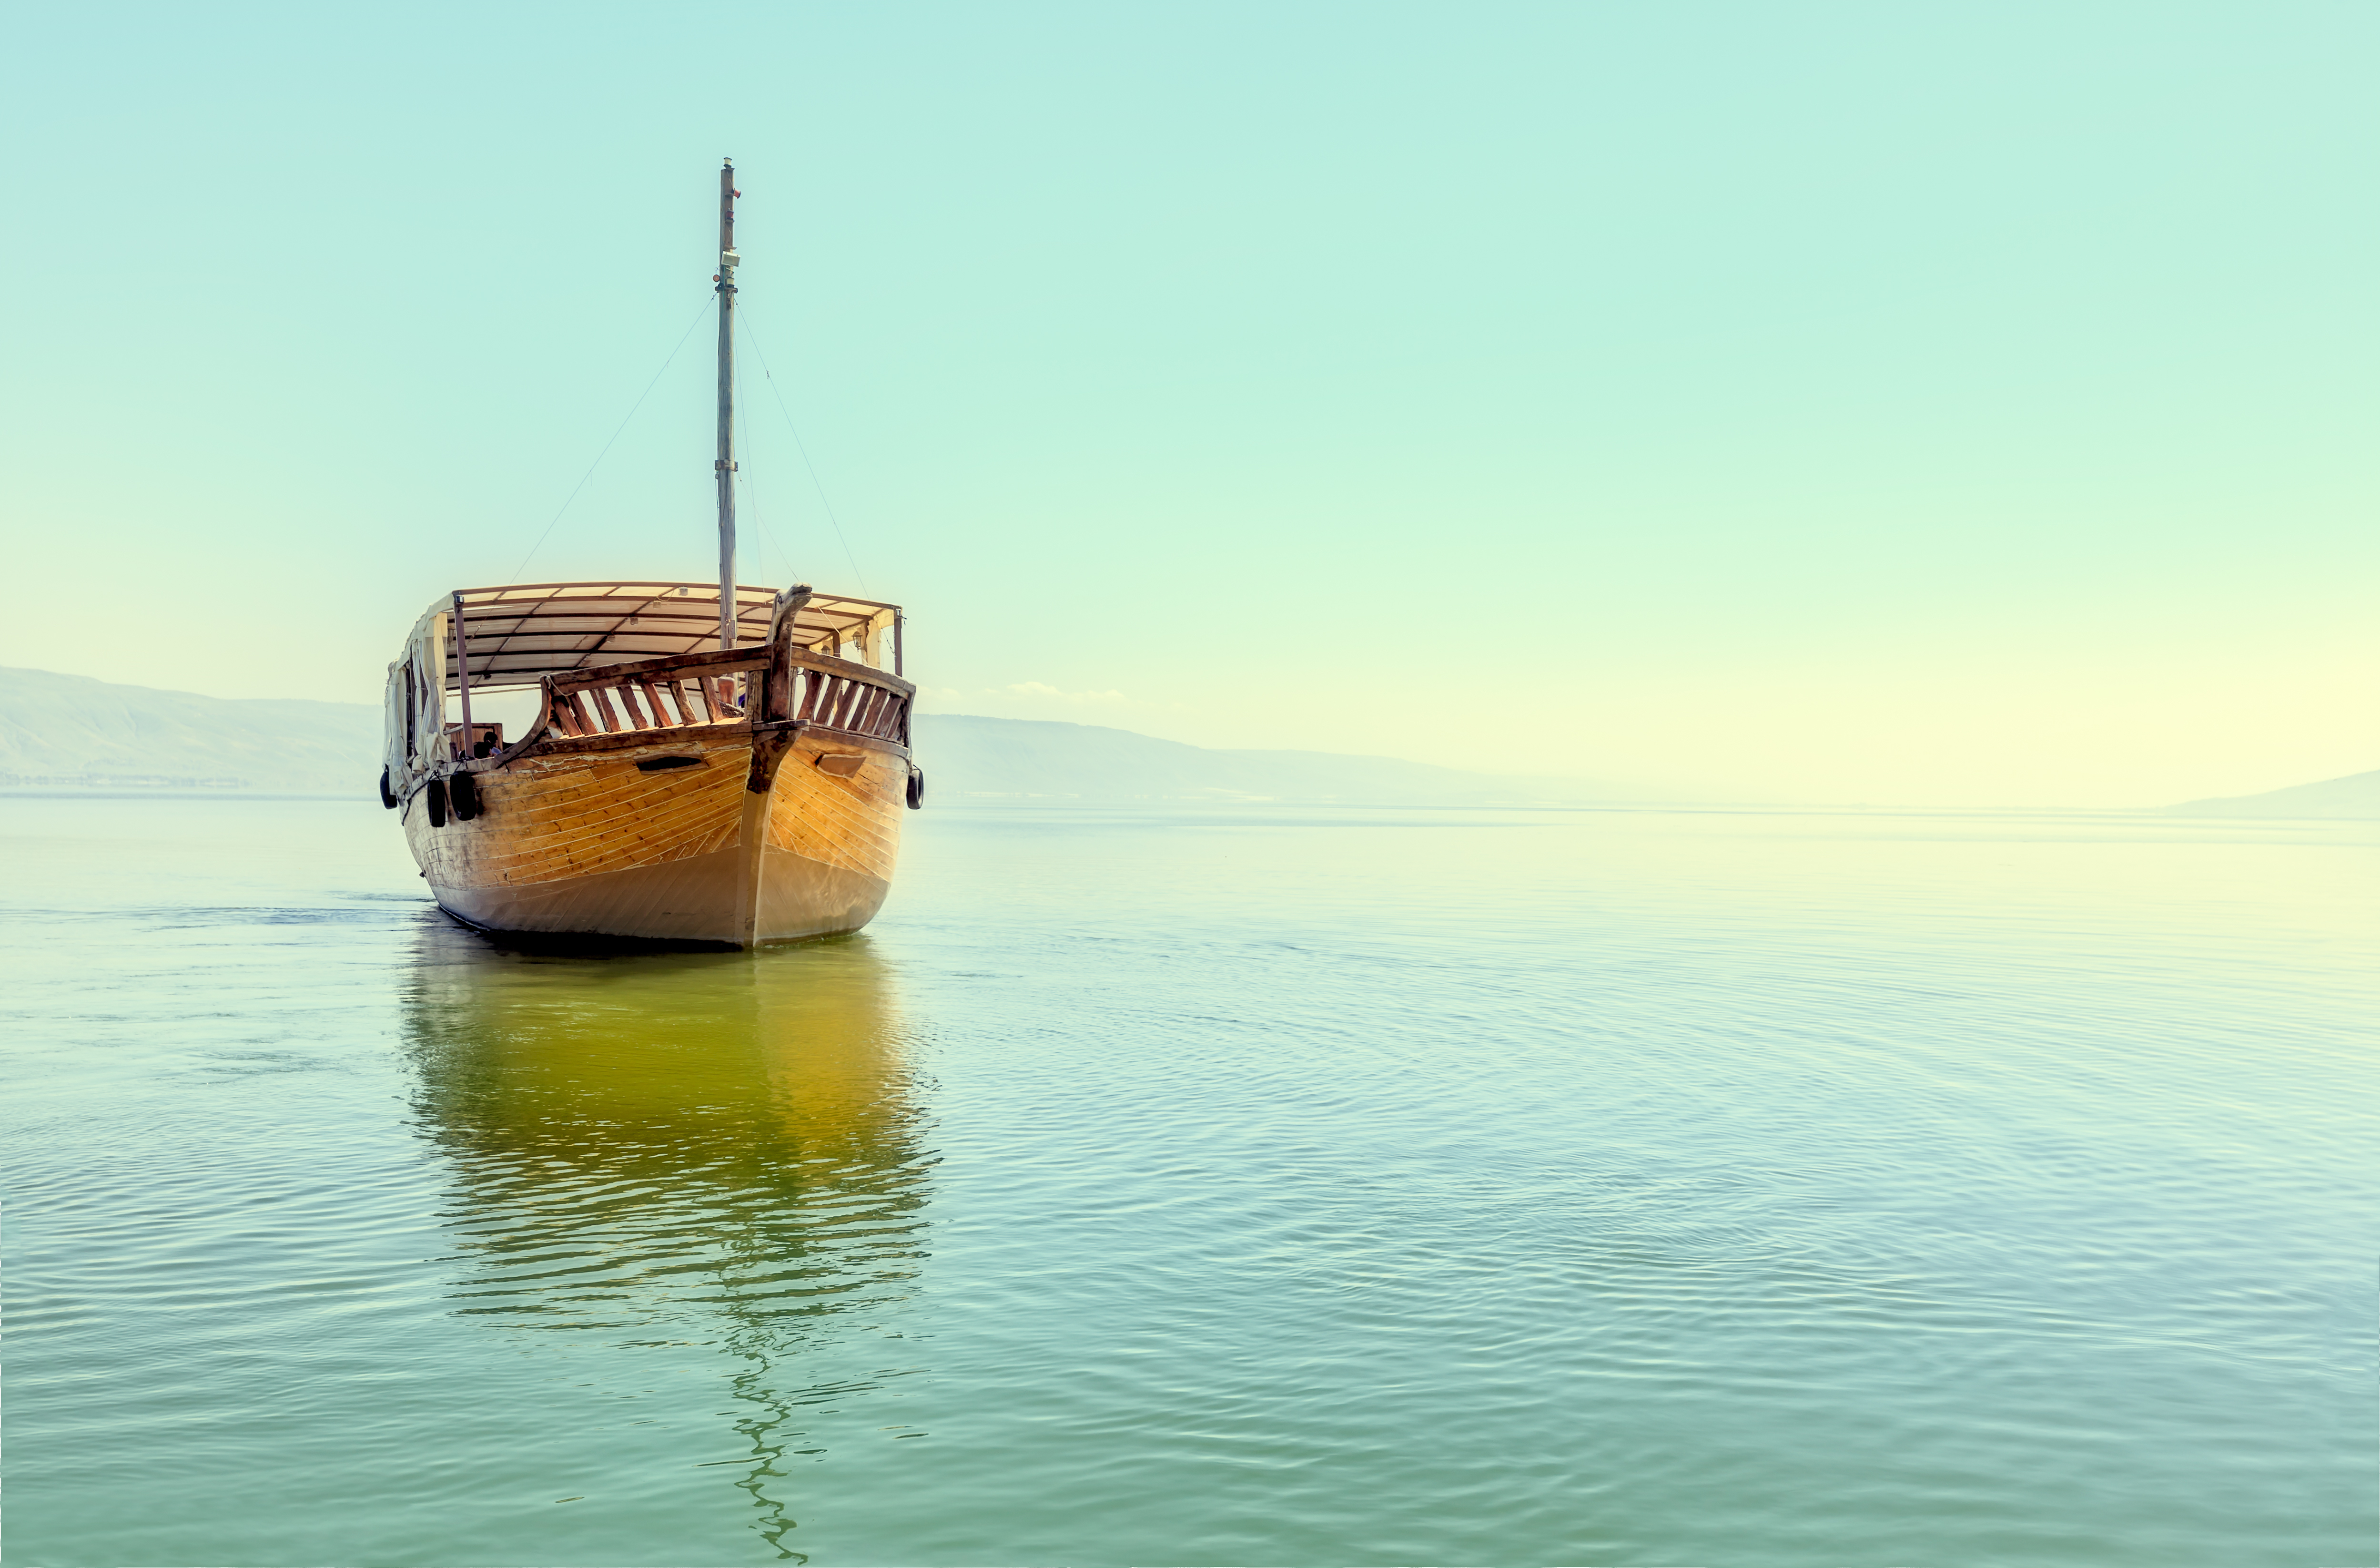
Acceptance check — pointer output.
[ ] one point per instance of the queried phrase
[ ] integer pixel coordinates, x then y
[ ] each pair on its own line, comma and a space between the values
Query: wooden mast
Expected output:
463, 672
727, 461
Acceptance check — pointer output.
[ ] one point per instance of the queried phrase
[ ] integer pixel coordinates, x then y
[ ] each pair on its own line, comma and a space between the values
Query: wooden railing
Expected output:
703, 689
652, 694
835, 694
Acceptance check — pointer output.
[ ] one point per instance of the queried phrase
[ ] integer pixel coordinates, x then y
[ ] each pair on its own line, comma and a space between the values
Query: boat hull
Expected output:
716, 835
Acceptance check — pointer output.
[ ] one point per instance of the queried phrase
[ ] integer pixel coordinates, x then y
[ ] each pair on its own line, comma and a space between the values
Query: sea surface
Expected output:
1244, 1187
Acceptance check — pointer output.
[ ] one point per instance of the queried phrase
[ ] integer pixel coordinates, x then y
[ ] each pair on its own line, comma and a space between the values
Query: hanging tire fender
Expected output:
388, 801
463, 797
916, 788
435, 794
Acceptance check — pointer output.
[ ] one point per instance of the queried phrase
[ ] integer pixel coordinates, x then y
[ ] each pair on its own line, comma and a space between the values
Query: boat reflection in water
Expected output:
708, 1148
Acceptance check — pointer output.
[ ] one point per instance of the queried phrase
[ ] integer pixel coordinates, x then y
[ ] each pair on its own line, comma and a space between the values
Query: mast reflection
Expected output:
709, 1146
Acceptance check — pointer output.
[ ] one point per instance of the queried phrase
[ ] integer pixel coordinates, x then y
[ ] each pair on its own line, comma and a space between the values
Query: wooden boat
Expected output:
717, 764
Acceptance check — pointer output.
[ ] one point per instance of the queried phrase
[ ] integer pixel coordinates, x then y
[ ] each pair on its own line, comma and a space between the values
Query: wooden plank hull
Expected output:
581, 841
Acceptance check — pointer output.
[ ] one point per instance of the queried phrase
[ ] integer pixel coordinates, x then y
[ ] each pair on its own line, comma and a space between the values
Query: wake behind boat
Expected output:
721, 764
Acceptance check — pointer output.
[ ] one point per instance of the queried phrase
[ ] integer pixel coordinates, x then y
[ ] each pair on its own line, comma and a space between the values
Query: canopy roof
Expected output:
519, 635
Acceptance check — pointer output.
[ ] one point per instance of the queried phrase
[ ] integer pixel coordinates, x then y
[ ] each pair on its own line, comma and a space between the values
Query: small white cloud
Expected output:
940, 696
1037, 690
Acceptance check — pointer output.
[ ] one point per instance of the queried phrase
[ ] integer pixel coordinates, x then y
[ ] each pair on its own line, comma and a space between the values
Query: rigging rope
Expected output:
753, 338
752, 501
709, 299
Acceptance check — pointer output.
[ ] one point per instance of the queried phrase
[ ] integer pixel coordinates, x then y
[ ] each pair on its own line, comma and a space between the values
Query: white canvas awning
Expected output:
519, 636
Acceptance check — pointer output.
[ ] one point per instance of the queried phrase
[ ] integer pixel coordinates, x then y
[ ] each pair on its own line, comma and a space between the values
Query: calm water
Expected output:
1743, 1190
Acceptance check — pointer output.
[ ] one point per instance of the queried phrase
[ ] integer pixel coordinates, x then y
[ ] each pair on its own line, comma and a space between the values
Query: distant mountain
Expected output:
73, 731
969, 758
2357, 795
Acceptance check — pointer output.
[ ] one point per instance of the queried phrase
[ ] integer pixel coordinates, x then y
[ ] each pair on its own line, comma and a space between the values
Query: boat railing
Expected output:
836, 694
721, 687
652, 694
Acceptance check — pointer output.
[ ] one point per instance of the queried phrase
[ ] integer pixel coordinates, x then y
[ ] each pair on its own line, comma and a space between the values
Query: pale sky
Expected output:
1964, 405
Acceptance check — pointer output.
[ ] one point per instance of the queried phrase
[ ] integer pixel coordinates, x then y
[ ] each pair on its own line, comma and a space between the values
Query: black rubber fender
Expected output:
387, 800
463, 798
916, 788
436, 796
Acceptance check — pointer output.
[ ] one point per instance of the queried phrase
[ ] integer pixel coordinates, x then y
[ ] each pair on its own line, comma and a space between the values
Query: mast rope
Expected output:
699, 312
770, 377
752, 494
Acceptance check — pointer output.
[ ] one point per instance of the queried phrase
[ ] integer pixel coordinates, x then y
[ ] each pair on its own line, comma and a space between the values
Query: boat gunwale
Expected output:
543, 741
626, 740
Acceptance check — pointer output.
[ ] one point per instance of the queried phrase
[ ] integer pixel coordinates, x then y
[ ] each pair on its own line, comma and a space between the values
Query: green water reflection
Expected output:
699, 1149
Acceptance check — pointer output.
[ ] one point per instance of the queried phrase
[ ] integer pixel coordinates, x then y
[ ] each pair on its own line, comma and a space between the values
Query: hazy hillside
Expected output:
2358, 794
1026, 760
70, 731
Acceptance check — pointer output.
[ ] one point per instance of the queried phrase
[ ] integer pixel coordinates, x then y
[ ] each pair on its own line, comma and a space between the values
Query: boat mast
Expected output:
726, 463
